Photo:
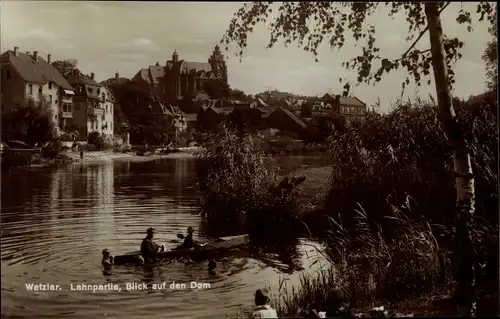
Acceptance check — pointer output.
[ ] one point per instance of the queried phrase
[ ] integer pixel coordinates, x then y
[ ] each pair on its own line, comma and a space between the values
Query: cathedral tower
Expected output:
218, 64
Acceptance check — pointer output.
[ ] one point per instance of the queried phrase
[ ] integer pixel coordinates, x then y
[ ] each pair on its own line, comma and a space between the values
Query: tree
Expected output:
30, 122
490, 56
216, 89
118, 118
311, 23
306, 111
132, 97
238, 95
66, 68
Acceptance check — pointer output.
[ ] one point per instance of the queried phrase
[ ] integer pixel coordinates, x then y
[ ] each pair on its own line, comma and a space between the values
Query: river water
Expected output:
55, 223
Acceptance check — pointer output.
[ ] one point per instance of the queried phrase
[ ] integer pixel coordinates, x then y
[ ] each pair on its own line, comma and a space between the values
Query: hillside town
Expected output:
164, 103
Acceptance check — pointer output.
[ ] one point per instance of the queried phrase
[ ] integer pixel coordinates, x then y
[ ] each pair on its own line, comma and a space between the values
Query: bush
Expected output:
121, 148
94, 138
88, 147
66, 137
236, 184
52, 149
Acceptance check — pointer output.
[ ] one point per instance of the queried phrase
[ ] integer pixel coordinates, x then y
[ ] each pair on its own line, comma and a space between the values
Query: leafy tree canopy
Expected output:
30, 122
490, 56
309, 24
66, 68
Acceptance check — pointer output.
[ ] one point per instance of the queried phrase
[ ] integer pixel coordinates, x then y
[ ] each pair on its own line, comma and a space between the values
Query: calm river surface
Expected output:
55, 223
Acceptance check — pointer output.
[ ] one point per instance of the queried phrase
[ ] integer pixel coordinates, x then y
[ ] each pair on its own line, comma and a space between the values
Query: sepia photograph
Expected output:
302, 159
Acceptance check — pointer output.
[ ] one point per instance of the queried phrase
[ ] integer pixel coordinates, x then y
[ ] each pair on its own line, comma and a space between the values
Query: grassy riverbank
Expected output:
384, 209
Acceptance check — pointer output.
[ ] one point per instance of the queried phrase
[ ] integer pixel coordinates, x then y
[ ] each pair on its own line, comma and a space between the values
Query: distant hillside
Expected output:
114, 81
278, 95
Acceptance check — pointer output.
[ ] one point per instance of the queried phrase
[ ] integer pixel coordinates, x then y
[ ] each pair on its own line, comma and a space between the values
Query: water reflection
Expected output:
55, 223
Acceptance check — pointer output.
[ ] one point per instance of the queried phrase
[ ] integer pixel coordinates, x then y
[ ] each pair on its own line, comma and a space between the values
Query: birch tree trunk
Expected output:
464, 178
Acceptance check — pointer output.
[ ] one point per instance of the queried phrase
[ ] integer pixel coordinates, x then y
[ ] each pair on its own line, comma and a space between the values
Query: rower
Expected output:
149, 248
188, 240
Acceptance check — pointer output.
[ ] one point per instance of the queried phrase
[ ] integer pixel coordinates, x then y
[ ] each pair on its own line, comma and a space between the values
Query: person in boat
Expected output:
149, 248
189, 242
262, 308
107, 259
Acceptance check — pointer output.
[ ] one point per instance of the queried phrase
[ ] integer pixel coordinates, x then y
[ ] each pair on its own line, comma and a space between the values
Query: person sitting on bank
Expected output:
107, 259
262, 308
149, 248
188, 240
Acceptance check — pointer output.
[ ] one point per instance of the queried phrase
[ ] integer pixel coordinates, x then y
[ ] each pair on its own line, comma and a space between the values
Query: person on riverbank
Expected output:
262, 308
149, 248
81, 152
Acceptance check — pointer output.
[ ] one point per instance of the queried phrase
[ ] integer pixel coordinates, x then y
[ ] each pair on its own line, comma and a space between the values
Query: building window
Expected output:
50, 85
50, 99
40, 90
30, 89
8, 74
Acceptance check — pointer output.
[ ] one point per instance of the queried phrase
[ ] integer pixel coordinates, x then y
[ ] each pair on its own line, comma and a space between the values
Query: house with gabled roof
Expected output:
348, 107
93, 107
27, 76
283, 121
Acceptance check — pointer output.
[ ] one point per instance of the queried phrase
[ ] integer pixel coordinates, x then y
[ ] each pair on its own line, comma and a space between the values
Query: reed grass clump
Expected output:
236, 185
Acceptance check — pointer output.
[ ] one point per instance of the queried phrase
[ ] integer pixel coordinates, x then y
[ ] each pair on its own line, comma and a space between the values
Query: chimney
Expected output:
35, 55
117, 75
16, 51
92, 75
48, 58
336, 103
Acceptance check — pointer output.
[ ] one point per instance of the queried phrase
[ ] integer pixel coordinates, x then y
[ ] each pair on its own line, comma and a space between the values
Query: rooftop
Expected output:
34, 71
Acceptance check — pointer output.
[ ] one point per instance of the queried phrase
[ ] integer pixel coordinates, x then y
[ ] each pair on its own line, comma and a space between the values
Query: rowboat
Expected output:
220, 245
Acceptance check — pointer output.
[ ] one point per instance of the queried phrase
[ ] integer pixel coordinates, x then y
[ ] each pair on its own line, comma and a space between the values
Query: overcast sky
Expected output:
106, 37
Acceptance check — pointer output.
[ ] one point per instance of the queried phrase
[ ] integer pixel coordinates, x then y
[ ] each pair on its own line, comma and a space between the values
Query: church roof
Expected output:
154, 73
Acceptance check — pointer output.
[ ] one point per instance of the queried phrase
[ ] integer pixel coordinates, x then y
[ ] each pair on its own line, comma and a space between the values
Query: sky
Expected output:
106, 37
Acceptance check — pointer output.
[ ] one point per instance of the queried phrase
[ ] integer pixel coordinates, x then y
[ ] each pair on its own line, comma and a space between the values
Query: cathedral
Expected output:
179, 79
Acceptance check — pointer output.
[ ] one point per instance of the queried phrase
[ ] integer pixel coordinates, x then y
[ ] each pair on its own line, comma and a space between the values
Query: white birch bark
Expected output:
464, 178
